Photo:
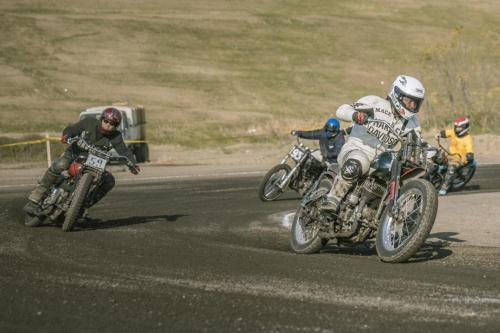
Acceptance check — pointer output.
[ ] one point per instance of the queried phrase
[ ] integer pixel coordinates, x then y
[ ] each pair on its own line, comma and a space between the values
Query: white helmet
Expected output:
412, 89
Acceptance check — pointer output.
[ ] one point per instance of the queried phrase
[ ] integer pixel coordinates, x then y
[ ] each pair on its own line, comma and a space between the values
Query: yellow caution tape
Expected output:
52, 138
135, 141
23, 143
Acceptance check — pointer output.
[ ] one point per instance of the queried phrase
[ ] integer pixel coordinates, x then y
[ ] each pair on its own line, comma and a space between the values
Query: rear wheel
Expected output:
268, 188
141, 152
75, 209
401, 236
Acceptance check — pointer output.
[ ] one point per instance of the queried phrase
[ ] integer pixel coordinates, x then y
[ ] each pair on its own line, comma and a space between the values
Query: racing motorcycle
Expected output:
65, 201
392, 204
438, 168
308, 166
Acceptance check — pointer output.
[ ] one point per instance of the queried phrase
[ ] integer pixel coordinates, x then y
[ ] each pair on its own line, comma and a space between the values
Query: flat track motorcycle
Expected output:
307, 164
436, 172
391, 204
65, 200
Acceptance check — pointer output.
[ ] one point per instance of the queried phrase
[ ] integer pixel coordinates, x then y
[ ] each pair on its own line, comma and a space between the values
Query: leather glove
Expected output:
293, 133
469, 157
64, 138
361, 117
135, 169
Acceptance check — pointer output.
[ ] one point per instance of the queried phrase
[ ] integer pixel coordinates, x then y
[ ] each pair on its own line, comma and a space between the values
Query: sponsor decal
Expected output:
382, 132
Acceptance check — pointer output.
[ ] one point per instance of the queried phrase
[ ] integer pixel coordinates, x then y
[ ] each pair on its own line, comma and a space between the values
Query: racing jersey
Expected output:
377, 135
459, 145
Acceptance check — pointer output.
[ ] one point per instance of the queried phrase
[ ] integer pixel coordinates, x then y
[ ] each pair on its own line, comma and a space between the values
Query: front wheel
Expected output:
268, 188
305, 238
462, 177
75, 209
399, 237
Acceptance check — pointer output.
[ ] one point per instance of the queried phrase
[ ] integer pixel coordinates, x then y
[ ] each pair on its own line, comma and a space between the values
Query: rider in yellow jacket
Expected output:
461, 151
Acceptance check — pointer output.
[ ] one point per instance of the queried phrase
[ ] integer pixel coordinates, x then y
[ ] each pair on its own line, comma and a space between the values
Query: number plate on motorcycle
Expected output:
95, 162
297, 154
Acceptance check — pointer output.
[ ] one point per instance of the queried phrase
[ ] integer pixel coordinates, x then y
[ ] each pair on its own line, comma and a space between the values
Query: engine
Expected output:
372, 189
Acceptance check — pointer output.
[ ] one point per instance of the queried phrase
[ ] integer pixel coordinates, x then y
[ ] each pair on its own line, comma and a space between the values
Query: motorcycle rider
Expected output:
461, 145
331, 139
100, 132
368, 139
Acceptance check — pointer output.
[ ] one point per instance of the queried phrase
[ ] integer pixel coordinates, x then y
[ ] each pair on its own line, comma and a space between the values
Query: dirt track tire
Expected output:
387, 252
76, 206
141, 152
458, 183
270, 177
299, 244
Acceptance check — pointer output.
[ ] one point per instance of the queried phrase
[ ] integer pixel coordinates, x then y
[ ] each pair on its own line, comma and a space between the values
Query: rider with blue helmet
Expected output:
331, 139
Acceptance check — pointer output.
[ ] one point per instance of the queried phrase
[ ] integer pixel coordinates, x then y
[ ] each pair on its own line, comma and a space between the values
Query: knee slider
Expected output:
351, 169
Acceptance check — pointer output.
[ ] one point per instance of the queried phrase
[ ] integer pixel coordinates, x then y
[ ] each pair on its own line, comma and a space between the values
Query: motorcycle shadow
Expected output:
95, 224
431, 250
362, 249
467, 188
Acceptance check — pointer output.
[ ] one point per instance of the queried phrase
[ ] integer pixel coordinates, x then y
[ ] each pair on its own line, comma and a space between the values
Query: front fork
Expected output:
292, 172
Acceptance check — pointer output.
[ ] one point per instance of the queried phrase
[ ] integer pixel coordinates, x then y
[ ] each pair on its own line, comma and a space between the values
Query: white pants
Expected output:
355, 149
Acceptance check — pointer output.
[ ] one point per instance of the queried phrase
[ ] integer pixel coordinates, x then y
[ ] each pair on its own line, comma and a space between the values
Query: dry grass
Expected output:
220, 72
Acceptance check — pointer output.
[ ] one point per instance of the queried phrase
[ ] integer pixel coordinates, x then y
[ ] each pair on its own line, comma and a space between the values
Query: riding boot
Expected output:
339, 190
43, 185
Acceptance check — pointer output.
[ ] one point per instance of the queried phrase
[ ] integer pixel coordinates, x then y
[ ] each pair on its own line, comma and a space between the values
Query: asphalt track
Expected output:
204, 254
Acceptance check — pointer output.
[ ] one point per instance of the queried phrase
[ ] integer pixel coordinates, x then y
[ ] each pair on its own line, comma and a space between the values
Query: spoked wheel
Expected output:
401, 236
462, 177
305, 238
268, 188
76, 206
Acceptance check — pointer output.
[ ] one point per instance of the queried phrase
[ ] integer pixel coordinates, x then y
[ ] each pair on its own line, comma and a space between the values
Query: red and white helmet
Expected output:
461, 126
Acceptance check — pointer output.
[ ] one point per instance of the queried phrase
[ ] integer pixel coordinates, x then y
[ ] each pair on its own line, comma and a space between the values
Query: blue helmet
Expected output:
332, 124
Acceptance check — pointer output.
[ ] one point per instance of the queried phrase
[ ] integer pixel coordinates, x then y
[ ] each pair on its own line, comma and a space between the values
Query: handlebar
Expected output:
438, 139
84, 145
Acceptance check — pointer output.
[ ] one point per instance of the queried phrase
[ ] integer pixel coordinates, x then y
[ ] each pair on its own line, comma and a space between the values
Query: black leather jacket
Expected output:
94, 136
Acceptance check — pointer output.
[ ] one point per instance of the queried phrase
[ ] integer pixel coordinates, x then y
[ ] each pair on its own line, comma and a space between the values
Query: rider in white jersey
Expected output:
368, 140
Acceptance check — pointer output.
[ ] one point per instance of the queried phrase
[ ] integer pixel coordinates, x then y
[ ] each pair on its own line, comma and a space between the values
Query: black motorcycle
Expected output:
392, 204
65, 201
308, 166
437, 169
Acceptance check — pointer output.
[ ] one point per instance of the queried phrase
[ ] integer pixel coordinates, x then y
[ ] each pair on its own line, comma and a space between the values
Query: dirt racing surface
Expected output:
202, 253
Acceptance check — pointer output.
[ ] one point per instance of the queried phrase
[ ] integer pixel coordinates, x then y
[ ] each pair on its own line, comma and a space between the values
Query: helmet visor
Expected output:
412, 104
109, 122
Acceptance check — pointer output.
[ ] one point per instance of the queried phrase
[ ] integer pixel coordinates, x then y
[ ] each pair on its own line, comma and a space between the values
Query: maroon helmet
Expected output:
112, 116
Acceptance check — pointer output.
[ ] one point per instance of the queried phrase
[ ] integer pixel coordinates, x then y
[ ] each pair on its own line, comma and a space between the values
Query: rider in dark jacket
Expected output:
99, 132
331, 138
